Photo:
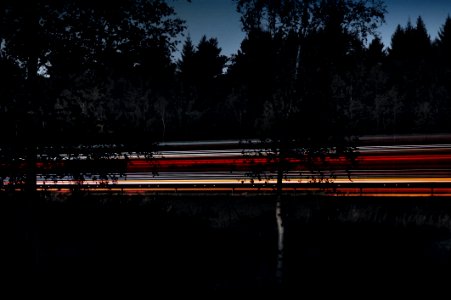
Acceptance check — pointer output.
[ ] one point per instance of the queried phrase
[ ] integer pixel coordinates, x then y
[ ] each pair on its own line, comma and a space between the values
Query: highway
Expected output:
404, 169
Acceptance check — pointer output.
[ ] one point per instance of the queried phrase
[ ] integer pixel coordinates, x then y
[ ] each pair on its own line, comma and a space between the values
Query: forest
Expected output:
80, 71
96, 80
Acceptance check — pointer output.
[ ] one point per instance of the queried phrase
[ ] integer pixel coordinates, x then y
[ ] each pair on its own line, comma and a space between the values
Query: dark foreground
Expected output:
177, 244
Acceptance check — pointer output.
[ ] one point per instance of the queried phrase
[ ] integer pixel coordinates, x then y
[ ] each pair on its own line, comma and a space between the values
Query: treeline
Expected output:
83, 71
405, 88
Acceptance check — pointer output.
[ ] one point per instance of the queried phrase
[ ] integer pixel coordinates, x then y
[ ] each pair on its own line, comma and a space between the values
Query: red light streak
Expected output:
420, 166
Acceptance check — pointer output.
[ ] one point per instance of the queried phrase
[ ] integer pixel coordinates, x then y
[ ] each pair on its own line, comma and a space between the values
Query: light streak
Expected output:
401, 170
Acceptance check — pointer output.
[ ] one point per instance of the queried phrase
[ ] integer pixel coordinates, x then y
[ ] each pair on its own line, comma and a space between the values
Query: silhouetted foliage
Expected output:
202, 87
410, 43
443, 41
294, 54
411, 72
442, 79
208, 65
186, 65
291, 55
77, 46
82, 71
376, 53
85, 87
80, 61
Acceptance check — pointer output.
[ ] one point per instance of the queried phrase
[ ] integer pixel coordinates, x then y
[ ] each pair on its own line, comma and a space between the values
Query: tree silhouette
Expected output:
186, 65
57, 44
412, 73
423, 40
443, 75
443, 41
202, 87
309, 43
376, 53
252, 74
12, 79
410, 43
209, 61
208, 67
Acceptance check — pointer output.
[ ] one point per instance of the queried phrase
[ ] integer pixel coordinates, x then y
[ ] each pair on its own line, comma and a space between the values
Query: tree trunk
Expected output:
280, 226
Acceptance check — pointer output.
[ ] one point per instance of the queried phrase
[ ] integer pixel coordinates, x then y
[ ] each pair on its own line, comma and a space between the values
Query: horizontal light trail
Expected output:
237, 152
387, 170
194, 182
336, 191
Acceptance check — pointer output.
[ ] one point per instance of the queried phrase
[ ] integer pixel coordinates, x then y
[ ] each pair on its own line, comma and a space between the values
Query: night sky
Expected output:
218, 18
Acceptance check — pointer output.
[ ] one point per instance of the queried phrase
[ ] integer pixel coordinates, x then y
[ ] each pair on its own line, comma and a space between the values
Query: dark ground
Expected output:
191, 243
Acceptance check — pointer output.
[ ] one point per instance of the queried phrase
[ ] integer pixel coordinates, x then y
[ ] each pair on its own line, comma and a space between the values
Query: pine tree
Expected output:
186, 64
376, 52
422, 40
443, 41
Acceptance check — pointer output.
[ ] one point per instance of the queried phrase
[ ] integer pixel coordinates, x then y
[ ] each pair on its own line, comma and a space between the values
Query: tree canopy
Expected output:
75, 42
89, 71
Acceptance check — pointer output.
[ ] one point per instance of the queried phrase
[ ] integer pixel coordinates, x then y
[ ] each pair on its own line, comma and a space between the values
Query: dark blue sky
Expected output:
218, 18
